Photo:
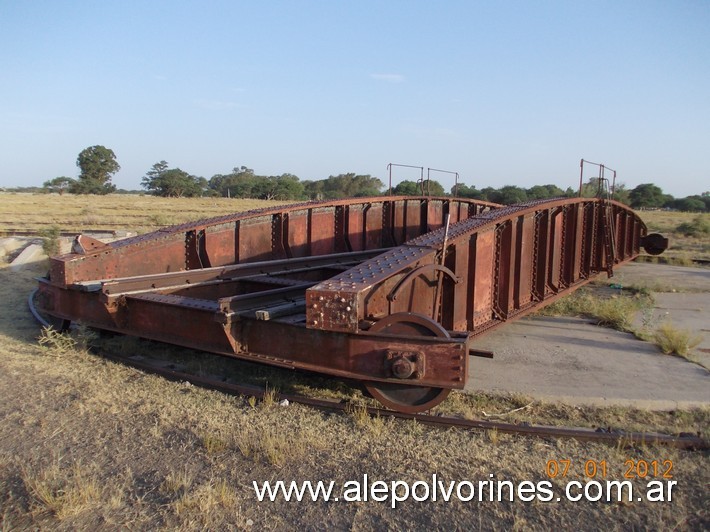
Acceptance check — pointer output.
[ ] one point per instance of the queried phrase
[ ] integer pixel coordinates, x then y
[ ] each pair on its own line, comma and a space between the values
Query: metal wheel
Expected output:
406, 397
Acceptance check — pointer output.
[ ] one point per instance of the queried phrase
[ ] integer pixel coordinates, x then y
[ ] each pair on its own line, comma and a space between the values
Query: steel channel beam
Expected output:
225, 273
204, 325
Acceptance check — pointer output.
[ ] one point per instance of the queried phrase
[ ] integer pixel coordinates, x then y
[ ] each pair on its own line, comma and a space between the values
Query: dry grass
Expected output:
616, 311
364, 421
68, 212
214, 444
674, 340
177, 483
146, 453
683, 247
54, 342
619, 312
271, 397
113, 448
207, 499
60, 492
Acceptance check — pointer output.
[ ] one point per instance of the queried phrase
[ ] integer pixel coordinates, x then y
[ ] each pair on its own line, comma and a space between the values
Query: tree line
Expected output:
97, 165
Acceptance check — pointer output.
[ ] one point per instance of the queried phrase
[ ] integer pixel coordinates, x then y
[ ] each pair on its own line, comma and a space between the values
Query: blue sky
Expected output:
502, 92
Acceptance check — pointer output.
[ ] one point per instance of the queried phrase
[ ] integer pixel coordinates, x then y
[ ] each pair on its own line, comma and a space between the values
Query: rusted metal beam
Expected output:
512, 259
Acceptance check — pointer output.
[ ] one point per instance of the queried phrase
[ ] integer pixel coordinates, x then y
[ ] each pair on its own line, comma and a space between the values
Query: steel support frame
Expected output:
214, 327
301, 286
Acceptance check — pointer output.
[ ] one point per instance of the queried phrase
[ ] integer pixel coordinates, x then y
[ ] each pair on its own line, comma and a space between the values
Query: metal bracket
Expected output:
416, 273
83, 244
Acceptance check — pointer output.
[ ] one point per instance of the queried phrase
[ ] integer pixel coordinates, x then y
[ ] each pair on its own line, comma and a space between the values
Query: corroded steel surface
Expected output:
300, 230
498, 265
390, 291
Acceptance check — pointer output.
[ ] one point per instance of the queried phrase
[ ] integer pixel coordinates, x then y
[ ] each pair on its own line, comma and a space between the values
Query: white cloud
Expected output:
390, 78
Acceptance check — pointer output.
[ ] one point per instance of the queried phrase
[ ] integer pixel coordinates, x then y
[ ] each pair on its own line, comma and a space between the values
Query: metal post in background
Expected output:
456, 182
421, 176
601, 177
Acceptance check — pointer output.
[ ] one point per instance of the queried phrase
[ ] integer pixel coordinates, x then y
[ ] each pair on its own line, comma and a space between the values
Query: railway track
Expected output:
599, 435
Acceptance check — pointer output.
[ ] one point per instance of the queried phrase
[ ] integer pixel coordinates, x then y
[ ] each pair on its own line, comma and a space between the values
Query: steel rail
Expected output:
599, 435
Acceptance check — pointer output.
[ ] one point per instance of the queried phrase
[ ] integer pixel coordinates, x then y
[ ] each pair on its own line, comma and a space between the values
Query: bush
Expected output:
50, 240
700, 226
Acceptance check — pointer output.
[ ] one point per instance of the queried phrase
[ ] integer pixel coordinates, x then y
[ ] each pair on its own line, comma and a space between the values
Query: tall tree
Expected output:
350, 186
648, 195
622, 194
97, 165
464, 191
407, 188
508, 195
313, 189
286, 187
173, 182
237, 184
593, 187
154, 173
429, 187
689, 204
544, 192
433, 188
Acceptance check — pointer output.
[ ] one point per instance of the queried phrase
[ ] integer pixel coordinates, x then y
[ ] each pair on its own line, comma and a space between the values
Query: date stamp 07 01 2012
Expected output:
600, 469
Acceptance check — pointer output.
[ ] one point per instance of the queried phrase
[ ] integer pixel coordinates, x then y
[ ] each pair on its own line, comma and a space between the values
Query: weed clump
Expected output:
271, 397
177, 483
616, 312
160, 219
363, 420
62, 492
699, 226
214, 444
56, 342
672, 340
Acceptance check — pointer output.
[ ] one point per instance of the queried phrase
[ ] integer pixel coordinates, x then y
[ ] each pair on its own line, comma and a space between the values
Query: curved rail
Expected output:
614, 437
598, 435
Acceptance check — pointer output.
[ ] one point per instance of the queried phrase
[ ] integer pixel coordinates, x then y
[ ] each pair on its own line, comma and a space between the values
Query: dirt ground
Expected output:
87, 444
